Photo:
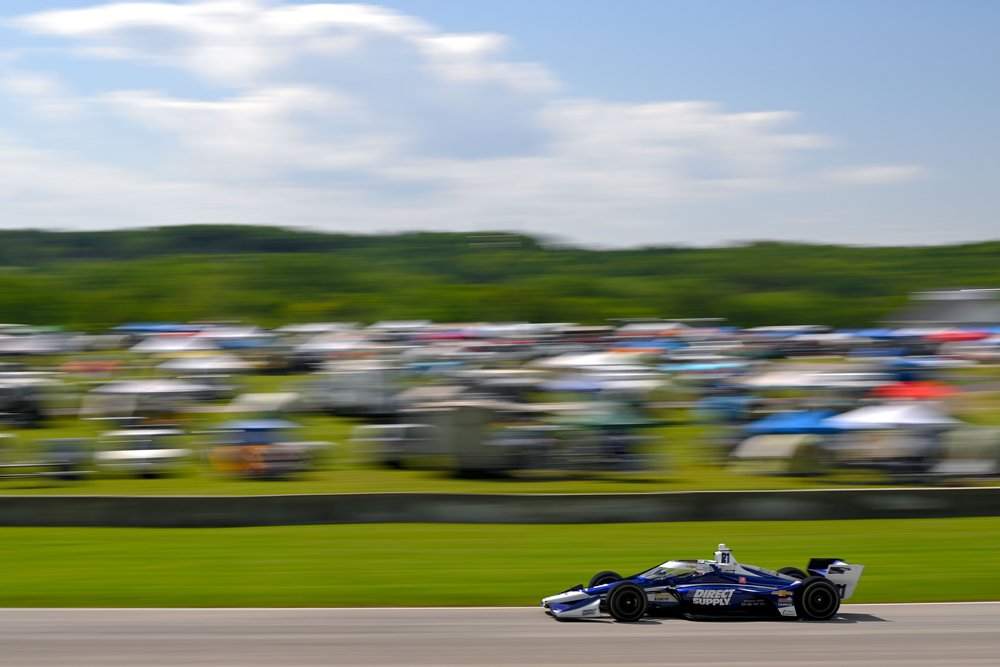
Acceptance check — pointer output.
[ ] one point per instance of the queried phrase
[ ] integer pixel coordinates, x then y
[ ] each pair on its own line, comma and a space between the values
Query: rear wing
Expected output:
843, 575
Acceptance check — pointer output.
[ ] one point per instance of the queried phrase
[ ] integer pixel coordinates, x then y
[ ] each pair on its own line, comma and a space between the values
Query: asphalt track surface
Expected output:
946, 634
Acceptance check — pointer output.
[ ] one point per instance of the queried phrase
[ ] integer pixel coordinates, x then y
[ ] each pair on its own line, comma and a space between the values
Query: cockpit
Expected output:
673, 568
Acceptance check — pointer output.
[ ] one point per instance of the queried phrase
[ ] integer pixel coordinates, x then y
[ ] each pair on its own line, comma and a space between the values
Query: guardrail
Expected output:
278, 510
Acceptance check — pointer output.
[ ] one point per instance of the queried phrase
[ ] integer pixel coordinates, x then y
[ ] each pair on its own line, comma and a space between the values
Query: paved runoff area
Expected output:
905, 634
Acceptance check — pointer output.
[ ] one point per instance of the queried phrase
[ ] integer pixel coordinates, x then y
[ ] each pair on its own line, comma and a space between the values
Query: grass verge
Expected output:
421, 564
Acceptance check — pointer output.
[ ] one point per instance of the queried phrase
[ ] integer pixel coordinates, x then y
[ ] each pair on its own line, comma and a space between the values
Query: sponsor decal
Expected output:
718, 597
786, 611
784, 598
753, 603
662, 597
743, 580
589, 612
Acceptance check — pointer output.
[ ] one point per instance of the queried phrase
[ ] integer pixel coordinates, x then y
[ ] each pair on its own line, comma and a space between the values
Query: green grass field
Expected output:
414, 565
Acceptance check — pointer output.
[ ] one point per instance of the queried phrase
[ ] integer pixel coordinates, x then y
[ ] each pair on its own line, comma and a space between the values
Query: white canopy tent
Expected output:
797, 379
151, 387
566, 361
173, 345
891, 415
223, 363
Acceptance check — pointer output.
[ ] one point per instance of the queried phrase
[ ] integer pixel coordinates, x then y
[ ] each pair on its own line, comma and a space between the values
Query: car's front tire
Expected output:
816, 599
604, 577
626, 602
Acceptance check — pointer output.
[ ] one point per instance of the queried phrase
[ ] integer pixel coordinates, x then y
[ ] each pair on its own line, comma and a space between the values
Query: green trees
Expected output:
93, 280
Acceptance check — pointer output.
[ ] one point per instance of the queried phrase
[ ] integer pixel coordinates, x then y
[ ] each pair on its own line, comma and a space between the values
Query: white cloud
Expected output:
358, 117
260, 134
243, 41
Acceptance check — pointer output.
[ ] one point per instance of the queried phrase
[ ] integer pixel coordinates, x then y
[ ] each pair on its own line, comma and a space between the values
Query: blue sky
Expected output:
634, 122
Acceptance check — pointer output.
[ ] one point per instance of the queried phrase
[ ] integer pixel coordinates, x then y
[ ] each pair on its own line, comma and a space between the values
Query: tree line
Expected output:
269, 276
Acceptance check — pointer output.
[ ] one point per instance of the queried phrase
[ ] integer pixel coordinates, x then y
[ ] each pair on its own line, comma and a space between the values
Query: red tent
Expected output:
957, 336
915, 390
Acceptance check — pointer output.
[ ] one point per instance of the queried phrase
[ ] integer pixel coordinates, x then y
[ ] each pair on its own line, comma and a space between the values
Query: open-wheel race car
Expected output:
712, 589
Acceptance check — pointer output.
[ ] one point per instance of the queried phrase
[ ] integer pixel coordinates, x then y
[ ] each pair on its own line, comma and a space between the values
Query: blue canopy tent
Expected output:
707, 366
156, 328
261, 432
787, 423
877, 334
572, 385
646, 343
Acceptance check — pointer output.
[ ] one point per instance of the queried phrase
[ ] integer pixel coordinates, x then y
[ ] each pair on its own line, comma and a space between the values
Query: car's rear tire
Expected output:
604, 577
626, 602
793, 572
816, 599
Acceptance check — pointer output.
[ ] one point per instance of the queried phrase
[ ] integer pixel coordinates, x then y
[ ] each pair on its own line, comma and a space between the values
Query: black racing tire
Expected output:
626, 602
816, 599
793, 572
604, 577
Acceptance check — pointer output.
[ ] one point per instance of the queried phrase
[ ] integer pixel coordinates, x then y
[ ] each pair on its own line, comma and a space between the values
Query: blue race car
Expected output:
712, 589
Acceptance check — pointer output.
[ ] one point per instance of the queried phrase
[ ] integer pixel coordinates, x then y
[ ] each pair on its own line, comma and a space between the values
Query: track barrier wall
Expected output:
278, 510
